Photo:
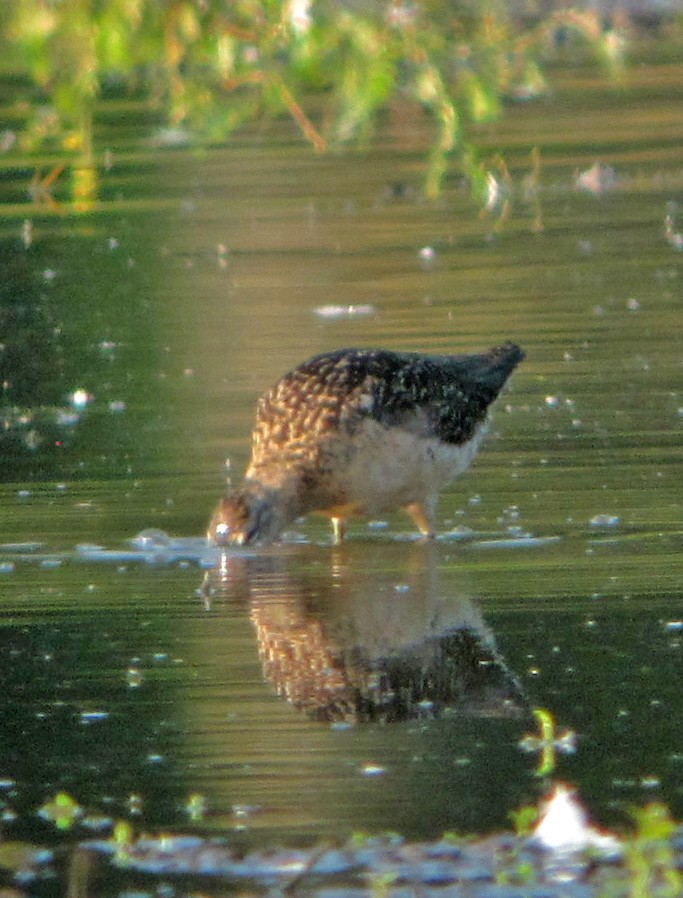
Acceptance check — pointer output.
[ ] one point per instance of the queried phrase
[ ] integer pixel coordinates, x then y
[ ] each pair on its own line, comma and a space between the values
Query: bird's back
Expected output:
443, 397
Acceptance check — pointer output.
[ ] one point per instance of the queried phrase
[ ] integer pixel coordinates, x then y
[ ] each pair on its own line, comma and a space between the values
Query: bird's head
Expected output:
246, 517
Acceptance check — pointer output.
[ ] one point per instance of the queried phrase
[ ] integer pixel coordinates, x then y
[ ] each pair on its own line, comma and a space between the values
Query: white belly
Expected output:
391, 468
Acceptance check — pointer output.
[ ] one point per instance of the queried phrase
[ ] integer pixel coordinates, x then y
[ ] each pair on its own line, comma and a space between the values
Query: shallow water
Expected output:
137, 677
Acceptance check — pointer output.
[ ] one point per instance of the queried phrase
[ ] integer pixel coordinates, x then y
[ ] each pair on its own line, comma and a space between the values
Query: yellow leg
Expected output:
338, 530
423, 516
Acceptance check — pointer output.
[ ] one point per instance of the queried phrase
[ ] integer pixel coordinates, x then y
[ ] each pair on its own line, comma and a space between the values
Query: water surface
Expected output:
268, 685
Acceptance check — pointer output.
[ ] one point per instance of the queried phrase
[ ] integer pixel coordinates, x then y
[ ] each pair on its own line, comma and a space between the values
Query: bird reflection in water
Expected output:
366, 634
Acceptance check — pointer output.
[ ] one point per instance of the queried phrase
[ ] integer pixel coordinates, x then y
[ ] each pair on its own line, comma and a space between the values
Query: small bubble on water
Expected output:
427, 256
604, 520
650, 782
27, 233
134, 804
151, 538
245, 810
196, 806
373, 770
93, 716
133, 678
80, 398
49, 564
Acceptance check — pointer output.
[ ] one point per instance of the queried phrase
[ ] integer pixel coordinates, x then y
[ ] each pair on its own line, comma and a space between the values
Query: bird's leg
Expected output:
422, 514
338, 530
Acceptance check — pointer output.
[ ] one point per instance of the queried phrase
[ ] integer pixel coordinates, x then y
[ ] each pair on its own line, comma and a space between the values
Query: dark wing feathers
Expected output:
442, 396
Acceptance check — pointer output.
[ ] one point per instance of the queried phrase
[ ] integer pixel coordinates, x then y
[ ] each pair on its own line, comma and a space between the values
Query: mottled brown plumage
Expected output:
362, 432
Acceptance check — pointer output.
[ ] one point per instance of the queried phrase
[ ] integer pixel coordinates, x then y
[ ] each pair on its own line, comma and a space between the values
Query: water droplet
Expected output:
80, 398
133, 678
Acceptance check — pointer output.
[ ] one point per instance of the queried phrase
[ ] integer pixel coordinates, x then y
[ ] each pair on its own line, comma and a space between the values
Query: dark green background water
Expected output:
183, 294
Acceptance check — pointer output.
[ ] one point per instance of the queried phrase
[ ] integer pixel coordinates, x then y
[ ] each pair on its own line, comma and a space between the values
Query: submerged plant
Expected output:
332, 65
649, 855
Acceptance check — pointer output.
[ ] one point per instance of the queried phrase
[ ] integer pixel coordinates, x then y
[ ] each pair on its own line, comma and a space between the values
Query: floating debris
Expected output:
351, 311
564, 826
21, 548
673, 237
93, 716
151, 546
150, 539
517, 542
604, 520
597, 179
50, 564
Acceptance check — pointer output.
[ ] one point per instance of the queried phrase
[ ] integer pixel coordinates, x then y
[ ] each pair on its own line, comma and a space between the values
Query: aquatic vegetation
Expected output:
564, 848
548, 742
649, 855
332, 67
61, 810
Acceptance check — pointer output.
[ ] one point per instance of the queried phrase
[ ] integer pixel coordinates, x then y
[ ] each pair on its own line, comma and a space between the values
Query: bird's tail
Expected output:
488, 372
